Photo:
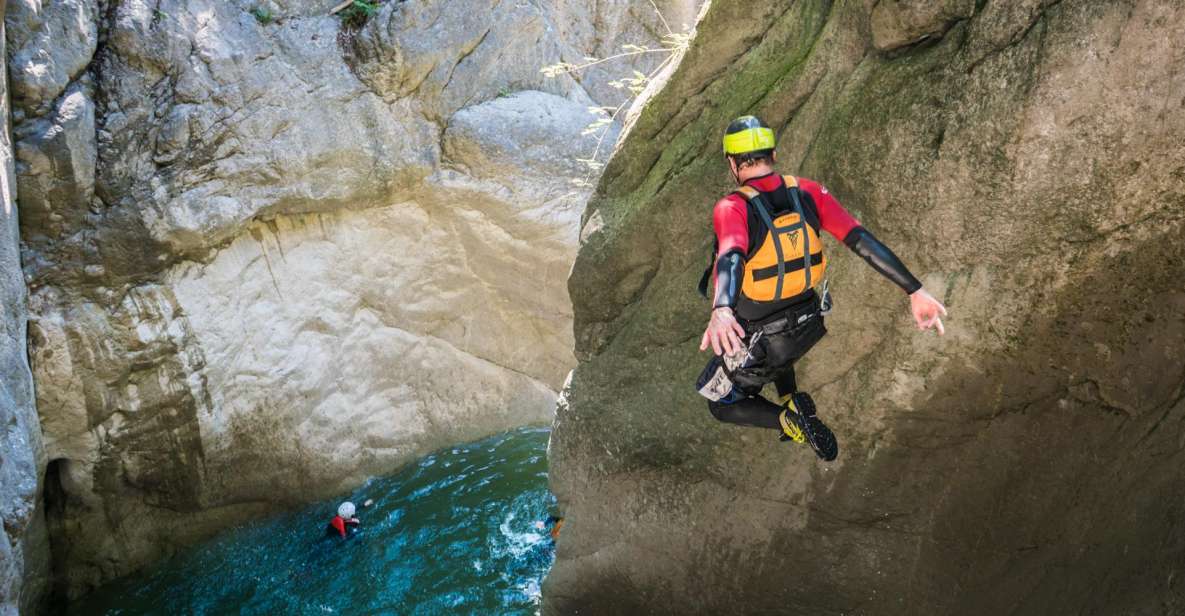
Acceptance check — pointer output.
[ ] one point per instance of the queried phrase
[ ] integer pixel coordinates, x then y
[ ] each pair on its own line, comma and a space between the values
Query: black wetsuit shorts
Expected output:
774, 344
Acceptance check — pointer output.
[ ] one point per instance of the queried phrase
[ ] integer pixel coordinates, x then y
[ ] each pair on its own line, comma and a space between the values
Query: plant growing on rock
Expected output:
262, 15
671, 46
355, 13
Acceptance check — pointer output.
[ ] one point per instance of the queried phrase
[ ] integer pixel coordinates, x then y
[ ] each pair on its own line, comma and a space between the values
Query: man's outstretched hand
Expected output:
723, 333
927, 311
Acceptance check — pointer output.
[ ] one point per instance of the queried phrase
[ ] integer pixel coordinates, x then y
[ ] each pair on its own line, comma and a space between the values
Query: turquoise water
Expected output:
459, 532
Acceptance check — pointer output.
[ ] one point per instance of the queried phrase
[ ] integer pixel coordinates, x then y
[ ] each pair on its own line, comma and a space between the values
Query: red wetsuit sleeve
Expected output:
339, 525
832, 216
730, 221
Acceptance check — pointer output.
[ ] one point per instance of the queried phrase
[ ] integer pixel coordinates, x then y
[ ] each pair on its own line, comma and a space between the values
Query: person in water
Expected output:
768, 277
344, 524
552, 525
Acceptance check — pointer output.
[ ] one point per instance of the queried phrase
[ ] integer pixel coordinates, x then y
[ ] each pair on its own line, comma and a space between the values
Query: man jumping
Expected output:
768, 272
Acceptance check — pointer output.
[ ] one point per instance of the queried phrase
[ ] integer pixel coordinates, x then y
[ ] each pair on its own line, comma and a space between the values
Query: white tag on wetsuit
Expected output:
717, 387
720, 385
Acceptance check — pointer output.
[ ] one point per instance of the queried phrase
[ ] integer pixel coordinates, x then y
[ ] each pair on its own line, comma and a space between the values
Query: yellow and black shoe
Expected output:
801, 425
791, 424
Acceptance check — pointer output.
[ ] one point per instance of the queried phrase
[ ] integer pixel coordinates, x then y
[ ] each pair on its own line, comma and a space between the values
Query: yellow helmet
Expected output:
747, 134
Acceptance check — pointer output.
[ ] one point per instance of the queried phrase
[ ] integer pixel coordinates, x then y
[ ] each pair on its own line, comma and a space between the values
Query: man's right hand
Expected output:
723, 333
927, 311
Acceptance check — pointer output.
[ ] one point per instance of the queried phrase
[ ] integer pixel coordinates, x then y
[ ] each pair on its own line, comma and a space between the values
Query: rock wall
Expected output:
23, 548
1027, 159
270, 256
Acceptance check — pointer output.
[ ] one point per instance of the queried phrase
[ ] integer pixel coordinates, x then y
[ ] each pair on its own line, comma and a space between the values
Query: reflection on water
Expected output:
456, 533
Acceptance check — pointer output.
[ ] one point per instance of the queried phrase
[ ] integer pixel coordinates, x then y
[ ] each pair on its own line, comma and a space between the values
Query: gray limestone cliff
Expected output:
268, 255
23, 547
1027, 159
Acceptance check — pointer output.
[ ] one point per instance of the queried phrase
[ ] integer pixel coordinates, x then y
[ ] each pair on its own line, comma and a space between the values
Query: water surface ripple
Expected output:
456, 533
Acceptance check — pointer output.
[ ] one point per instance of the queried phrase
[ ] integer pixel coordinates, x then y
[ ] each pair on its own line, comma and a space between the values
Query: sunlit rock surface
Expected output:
268, 257
1027, 160
23, 548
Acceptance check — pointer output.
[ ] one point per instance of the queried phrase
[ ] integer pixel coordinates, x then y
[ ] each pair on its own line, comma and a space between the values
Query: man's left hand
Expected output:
927, 311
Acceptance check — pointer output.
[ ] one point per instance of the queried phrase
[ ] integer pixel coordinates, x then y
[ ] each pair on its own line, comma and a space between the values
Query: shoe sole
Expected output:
822, 440
820, 437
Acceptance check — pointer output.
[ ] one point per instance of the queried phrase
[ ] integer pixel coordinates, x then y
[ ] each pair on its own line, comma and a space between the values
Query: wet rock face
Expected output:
268, 257
1026, 160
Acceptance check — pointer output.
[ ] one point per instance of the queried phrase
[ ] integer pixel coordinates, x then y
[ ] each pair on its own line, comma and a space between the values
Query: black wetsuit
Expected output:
775, 344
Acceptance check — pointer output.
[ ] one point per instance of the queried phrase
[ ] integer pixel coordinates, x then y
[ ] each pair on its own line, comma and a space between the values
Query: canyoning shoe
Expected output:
791, 426
801, 424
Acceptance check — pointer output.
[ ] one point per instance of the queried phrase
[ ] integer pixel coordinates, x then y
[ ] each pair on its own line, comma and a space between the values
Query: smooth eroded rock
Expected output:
271, 257
56, 173
896, 23
1028, 167
50, 43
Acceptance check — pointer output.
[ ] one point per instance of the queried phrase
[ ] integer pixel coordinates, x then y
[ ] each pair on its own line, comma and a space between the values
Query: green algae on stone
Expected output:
1011, 159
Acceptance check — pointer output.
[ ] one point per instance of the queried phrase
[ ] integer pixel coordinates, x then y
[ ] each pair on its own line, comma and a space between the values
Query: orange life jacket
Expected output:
788, 260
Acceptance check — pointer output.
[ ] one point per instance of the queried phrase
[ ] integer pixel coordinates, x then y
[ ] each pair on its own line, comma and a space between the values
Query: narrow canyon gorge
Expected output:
254, 253
271, 251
